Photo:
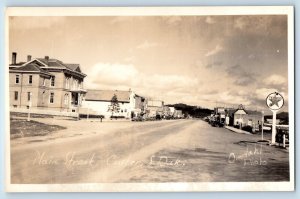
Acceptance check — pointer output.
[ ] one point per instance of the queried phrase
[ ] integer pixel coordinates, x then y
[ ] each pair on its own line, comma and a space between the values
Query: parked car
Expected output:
137, 119
280, 133
267, 128
216, 121
206, 119
150, 119
158, 117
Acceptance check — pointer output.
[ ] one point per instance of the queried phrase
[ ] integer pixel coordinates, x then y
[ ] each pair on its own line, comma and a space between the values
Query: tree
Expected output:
114, 107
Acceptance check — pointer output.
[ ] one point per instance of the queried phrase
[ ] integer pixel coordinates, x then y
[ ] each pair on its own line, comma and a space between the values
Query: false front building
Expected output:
155, 108
46, 84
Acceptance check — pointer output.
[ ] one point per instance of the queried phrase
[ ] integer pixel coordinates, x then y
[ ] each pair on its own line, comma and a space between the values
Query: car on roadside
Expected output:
137, 119
206, 119
267, 128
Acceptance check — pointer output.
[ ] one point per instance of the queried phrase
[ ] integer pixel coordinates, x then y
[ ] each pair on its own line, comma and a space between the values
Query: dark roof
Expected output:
106, 95
42, 60
29, 67
52, 62
58, 63
32, 67
75, 67
42, 65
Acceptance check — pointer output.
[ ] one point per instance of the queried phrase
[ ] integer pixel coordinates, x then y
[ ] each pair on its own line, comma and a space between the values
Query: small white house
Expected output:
240, 117
99, 101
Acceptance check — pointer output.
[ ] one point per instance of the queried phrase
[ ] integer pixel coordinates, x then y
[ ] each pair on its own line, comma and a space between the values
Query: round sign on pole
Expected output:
275, 101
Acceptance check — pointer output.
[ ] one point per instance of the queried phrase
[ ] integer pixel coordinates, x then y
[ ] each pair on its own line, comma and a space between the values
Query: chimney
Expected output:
14, 58
47, 59
28, 58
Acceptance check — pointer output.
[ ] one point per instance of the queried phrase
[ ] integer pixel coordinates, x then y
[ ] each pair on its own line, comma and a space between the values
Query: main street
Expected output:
155, 151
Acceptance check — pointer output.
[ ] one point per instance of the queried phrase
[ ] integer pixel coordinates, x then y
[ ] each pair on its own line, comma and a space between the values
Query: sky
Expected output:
205, 61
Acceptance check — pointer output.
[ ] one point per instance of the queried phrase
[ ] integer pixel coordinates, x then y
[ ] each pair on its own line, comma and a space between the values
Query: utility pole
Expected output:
262, 125
274, 128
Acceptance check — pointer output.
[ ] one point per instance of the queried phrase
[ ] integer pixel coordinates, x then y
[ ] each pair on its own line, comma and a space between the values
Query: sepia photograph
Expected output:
150, 99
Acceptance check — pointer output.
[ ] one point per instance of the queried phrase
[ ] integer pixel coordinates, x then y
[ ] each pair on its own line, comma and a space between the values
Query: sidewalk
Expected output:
237, 130
105, 120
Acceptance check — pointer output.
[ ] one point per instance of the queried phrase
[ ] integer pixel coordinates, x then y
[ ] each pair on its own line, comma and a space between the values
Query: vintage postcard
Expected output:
131, 99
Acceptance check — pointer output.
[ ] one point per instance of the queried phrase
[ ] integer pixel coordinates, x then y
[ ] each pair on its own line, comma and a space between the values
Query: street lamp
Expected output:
262, 125
262, 128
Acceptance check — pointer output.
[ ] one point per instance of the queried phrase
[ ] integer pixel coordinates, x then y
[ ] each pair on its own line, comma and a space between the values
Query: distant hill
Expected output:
193, 111
283, 116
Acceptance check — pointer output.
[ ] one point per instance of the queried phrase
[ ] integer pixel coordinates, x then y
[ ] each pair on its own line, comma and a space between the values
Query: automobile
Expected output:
216, 121
206, 119
255, 128
168, 117
158, 117
137, 119
280, 133
150, 119
267, 128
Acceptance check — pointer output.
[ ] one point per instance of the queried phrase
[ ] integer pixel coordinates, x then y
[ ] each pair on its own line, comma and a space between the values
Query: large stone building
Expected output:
45, 83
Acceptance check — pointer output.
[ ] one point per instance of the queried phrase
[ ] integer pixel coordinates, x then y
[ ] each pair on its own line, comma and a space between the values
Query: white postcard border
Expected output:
156, 11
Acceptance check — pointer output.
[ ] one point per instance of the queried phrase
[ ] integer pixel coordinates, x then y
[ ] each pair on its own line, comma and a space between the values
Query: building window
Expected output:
44, 82
17, 79
52, 81
66, 99
43, 96
28, 96
51, 98
79, 99
75, 84
67, 82
30, 79
16, 95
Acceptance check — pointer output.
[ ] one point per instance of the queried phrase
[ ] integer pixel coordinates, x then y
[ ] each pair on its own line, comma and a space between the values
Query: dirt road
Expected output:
158, 151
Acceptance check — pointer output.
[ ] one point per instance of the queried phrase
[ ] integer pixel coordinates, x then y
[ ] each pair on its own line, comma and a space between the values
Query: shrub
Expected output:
236, 126
117, 117
247, 128
83, 116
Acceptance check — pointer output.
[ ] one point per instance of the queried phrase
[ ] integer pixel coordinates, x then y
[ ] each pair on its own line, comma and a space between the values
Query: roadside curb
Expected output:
237, 130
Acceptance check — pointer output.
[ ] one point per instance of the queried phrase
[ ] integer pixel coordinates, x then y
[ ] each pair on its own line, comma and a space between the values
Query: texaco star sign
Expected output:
275, 101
